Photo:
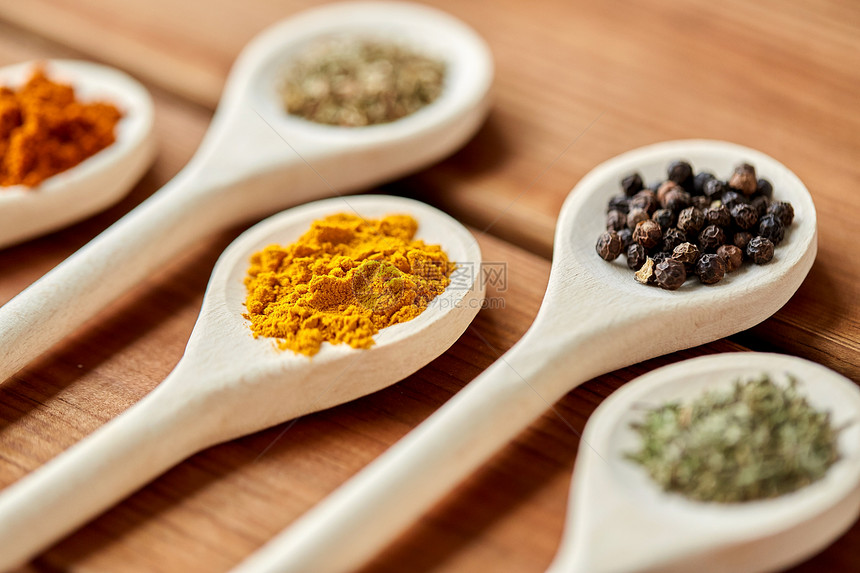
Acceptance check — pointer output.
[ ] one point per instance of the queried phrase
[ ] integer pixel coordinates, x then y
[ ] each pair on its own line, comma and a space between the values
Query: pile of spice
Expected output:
353, 82
44, 130
757, 440
693, 225
342, 281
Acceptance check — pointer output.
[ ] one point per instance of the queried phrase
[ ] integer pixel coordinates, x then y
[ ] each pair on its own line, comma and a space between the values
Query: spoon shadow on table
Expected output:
507, 483
396, 409
784, 333
838, 557
486, 151
124, 324
47, 251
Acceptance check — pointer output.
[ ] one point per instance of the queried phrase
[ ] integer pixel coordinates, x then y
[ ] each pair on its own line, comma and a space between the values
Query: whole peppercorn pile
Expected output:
693, 224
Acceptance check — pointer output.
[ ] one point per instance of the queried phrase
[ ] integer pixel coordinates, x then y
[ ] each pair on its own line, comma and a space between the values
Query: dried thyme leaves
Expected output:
757, 440
354, 82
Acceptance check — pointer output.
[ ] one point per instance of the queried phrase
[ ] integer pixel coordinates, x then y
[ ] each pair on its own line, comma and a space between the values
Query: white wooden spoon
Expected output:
594, 318
620, 521
256, 159
229, 384
95, 183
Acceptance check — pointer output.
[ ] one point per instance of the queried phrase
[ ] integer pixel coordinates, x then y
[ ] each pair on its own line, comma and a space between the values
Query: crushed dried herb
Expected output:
354, 82
756, 440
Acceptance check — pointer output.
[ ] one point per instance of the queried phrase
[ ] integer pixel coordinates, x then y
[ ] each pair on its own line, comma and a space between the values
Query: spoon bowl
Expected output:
252, 138
288, 385
255, 159
100, 180
746, 297
619, 520
594, 319
229, 383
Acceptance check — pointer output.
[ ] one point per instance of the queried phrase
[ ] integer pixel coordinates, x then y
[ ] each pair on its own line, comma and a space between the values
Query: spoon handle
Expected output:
349, 527
127, 452
109, 265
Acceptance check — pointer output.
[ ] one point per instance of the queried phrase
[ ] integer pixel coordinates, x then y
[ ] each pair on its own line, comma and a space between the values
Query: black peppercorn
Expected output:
670, 274
636, 256
676, 199
615, 221
783, 211
645, 200
632, 184
718, 216
742, 239
760, 203
743, 179
626, 236
700, 202
681, 173
771, 228
710, 269
733, 257
661, 256
691, 220
635, 217
619, 203
672, 238
664, 189
727, 221
714, 189
687, 253
648, 234
663, 217
764, 188
732, 198
699, 182
760, 250
711, 237
609, 246
745, 216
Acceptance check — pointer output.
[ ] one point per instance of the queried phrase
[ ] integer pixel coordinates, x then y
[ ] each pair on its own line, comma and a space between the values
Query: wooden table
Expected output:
577, 82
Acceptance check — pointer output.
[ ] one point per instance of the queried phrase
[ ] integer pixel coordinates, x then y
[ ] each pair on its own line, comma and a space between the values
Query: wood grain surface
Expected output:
577, 82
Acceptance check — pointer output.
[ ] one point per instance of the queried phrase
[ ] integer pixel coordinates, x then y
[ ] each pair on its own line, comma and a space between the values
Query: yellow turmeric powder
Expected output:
342, 281
44, 130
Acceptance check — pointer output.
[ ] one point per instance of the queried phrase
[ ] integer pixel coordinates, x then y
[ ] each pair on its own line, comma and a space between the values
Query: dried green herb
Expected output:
353, 82
757, 440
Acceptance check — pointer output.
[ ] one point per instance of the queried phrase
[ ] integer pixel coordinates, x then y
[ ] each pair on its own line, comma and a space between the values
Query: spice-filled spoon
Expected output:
620, 521
98, 181
594, 319
229, 383
256, 159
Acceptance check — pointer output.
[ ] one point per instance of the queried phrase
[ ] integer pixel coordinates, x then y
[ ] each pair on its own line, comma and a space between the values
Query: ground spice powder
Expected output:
342, 281
44, 130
